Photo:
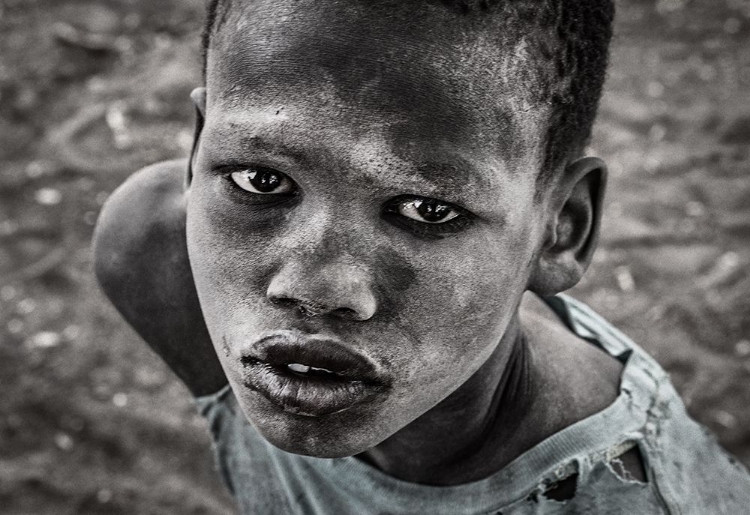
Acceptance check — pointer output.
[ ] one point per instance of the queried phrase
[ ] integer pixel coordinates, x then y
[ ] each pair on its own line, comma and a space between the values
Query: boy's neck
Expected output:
472, 433
541, 379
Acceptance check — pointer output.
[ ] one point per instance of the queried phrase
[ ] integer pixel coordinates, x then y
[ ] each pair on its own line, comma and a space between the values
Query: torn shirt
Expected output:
687, 472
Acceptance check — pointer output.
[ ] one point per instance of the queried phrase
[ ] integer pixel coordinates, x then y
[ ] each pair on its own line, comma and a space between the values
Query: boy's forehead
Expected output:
424, 71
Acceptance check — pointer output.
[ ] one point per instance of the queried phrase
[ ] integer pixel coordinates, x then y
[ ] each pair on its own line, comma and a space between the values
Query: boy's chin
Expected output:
335, 435
321, 441
320, 448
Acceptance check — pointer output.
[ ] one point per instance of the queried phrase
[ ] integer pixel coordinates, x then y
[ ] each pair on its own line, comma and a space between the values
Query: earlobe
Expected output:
573, 227
198, 96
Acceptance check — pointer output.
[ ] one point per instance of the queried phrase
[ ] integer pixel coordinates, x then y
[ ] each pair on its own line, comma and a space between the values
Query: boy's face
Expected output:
362, 202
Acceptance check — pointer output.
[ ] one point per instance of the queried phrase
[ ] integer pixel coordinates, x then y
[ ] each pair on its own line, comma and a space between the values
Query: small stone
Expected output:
36, 169
185, 140
104, 496
96, 85
45, 340
723, 270
117, 120
48, 197
120, 400
26, 306
624, 279
725, 419
729, 260
63, 441
695, 208
742, 348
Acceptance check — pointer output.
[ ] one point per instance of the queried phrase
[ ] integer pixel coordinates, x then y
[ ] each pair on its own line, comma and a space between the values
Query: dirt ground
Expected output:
92, 423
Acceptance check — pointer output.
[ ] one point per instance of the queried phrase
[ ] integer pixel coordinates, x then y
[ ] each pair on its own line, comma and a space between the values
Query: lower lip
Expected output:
308, 396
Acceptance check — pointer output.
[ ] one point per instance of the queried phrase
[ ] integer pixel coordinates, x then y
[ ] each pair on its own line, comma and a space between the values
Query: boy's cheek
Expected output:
221, 212
454, 314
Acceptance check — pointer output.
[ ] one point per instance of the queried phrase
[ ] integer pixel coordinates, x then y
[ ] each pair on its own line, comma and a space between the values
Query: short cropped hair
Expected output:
570, 67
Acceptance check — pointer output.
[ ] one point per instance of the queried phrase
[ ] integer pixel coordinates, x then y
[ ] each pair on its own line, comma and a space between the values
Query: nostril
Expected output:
284, 302
310, 308
307, 308
346, 313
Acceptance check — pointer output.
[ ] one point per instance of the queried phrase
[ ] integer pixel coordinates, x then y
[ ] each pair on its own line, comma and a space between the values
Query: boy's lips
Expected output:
308, 375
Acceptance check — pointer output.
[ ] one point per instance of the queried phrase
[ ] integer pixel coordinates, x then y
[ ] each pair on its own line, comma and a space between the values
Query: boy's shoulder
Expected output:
570, 364
141, 262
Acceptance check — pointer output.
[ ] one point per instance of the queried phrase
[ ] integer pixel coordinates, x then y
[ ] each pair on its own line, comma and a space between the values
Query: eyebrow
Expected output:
457, 175
258, 142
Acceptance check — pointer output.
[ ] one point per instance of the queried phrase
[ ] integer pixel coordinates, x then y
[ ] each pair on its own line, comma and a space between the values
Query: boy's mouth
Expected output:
309, 376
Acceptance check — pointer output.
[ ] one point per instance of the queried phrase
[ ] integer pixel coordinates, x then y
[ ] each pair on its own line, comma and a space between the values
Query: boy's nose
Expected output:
335, 289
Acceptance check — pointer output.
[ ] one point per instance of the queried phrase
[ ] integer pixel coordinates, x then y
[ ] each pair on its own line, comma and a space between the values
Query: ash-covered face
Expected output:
361, 218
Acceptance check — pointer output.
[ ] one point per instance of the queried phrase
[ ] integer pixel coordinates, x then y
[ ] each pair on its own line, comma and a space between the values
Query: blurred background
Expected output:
91, 422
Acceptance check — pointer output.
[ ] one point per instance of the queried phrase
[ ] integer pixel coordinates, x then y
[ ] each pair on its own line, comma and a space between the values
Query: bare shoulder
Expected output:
141, 263
579, 376
582, 380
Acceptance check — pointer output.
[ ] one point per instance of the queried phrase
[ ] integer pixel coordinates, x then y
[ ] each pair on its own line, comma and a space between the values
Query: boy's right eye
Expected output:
262, 181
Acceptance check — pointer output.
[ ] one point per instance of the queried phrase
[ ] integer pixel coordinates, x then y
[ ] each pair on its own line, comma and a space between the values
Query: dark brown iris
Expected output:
265, 181
432, 210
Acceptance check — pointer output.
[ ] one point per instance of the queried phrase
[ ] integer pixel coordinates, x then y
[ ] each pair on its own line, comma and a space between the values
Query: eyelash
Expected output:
431, 231
422, 229
271, 200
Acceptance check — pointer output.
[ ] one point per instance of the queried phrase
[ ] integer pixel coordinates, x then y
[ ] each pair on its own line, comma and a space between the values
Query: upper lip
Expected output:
282, 348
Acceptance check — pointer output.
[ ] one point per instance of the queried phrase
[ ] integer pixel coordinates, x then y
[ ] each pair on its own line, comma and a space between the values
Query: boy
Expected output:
356, 271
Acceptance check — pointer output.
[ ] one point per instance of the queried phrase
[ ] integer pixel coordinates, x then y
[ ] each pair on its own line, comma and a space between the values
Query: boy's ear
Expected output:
573, 227
198, 96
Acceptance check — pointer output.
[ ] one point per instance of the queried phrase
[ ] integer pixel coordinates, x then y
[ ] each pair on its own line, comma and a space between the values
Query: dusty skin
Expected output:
455, 385
671, 270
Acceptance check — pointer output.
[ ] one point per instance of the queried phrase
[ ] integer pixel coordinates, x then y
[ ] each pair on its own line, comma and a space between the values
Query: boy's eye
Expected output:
262, 181
428, 211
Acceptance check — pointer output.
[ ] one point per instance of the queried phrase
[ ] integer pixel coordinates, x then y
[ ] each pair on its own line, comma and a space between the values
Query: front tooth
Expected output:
300, 369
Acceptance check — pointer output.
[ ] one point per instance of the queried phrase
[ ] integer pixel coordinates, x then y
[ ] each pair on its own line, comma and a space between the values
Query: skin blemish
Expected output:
225, 346
394, 274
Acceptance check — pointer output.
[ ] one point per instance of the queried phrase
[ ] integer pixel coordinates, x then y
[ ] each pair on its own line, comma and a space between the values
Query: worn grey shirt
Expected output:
687, 472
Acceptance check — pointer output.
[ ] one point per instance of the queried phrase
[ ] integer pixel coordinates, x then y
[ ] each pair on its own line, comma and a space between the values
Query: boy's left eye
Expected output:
430, 211
428, 217
262, 181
